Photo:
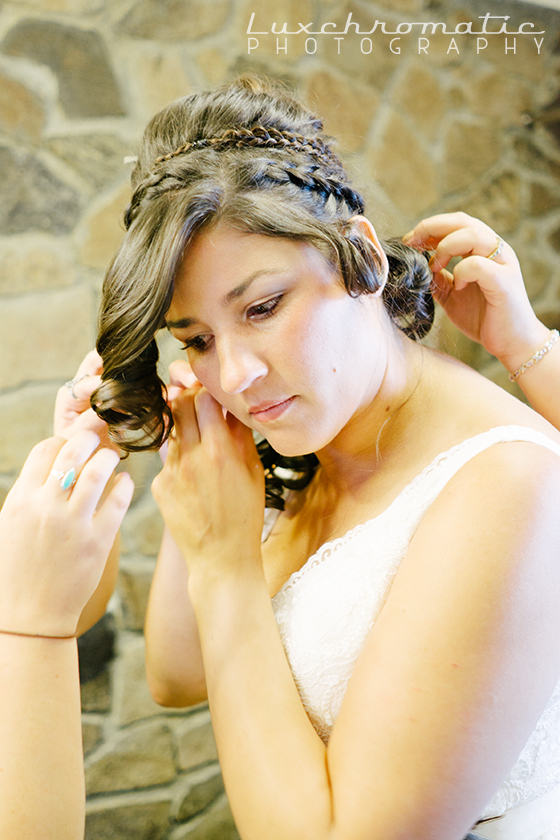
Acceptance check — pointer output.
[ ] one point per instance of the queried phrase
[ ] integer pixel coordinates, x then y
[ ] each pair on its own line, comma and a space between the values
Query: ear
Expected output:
367, 230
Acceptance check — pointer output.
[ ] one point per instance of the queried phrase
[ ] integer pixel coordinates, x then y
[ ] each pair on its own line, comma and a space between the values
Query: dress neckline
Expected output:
511, 433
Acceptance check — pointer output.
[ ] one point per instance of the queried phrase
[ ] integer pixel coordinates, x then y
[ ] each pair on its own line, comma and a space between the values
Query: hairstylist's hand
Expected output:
53, 541
211, 489
73, 412
484, 295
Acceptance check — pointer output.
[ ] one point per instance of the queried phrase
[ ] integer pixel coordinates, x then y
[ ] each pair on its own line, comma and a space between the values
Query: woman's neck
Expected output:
377, 431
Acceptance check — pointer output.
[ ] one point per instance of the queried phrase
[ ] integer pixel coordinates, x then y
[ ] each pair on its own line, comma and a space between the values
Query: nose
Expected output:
240, 367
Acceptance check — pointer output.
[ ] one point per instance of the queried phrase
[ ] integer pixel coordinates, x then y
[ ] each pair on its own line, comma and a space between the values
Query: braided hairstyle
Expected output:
251, 156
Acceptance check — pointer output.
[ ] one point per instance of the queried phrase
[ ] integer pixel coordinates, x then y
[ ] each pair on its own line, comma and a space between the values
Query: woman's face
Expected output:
273, 335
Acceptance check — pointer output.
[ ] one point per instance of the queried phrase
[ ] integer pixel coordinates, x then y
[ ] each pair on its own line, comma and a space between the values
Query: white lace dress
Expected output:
325, 610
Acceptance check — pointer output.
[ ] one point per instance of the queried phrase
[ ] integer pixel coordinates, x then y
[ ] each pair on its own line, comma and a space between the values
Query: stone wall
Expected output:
422, 131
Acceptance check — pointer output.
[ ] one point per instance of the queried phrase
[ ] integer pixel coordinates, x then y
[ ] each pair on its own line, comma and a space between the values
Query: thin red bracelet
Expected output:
36, 635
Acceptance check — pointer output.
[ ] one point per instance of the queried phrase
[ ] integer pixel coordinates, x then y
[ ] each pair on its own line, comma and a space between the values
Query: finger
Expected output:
84, 388
92, 364
243, 435
210, 415
186, 431
72, 456
110, 515
92, 482
493, 279
479, 241
173, 392
181, 374
89, 374
432, 230
78, 391
442, 286
40, 460
89, 420
222, 432
181, 377
69, 409
74, 397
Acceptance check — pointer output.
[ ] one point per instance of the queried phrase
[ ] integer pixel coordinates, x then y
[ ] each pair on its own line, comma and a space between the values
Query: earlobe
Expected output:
367, 231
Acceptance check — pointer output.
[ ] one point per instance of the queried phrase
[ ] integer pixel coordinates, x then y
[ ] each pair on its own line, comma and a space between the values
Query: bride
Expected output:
381, 652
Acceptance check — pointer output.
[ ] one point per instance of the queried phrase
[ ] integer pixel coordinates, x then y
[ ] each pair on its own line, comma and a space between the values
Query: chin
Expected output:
294, 448
291, 452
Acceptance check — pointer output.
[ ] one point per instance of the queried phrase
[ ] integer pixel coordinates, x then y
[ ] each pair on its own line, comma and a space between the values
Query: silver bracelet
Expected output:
554, 336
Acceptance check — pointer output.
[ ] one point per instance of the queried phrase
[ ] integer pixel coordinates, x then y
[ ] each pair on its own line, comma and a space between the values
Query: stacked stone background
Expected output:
421, 133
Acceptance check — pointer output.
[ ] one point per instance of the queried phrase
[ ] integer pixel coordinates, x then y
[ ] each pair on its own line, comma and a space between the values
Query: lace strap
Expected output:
410, 506
431, 481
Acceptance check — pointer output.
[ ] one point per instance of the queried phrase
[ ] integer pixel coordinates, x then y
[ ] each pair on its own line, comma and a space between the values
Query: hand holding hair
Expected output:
73, 411
55, 536
484, 295
486, 298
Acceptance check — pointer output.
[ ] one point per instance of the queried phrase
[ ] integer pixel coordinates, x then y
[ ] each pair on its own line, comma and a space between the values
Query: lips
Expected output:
271, 410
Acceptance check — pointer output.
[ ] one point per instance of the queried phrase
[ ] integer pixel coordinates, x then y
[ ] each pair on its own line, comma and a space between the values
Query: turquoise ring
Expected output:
66, 479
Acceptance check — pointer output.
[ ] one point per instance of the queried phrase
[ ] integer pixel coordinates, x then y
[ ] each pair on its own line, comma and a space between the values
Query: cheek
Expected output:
320, 351
306, 342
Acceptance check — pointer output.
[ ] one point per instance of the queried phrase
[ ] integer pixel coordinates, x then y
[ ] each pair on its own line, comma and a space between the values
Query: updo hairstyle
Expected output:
251, 156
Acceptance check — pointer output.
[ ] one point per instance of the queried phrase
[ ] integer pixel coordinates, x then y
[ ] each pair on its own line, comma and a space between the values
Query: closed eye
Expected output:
261, 311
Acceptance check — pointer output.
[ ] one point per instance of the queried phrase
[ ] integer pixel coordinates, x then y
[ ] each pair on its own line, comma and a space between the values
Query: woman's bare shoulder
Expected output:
472, 403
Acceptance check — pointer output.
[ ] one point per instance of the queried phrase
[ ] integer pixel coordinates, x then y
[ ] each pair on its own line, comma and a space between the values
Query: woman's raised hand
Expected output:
181, 376
55, 538
484, 295
211, 489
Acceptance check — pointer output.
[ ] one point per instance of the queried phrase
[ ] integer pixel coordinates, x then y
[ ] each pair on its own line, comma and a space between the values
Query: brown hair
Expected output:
250, 155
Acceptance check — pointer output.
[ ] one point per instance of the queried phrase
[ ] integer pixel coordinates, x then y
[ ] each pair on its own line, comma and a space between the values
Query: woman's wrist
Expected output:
27, 650
34, 622
209, 586
537, 356
534, 339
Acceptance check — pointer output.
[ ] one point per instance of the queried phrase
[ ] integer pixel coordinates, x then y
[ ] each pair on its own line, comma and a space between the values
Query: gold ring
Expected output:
498, 249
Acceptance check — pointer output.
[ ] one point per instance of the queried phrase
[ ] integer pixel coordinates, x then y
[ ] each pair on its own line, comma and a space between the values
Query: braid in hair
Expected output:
310, 177
258, 137
261, 137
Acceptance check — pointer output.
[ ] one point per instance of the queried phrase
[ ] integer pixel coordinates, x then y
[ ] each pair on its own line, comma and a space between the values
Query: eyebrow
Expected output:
232, 295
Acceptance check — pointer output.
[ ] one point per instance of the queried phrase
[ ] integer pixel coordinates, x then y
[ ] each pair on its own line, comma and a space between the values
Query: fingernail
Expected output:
408, 237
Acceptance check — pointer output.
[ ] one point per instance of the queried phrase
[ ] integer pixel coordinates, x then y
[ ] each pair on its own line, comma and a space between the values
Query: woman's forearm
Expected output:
96, 607
41, 762
173, 656
274, 763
